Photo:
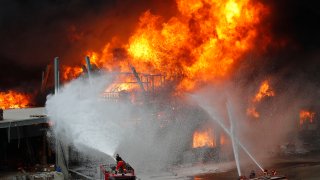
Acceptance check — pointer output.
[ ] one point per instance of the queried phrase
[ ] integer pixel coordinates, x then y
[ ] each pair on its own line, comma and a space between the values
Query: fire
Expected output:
13, 100
202, 43
117, 87
232, 10
251, 111
71, 72
264, 91
203, 139
306, 116
94, 58
223, 139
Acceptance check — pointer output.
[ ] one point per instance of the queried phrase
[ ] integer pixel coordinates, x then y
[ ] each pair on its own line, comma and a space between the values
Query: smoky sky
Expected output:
33, 32
295, 23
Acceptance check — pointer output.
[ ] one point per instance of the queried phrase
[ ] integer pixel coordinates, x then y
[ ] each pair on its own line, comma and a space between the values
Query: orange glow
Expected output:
223, 139
264, 91
253, 112
94, 58
12, 100
222, 31
201, 44
203, 139
70, 73
306, 116
117, 87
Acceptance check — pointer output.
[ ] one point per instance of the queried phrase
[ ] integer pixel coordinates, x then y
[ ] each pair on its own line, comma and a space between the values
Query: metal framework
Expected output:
148, 83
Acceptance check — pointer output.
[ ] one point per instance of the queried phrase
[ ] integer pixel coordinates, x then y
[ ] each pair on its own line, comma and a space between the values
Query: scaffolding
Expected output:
148, 84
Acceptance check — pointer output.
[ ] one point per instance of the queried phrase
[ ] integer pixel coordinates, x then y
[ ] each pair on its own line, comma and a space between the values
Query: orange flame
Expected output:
251, 111
117, 87
70, 73
94, 58
306, 116
13, 100
202, 43
203, 139
264, 91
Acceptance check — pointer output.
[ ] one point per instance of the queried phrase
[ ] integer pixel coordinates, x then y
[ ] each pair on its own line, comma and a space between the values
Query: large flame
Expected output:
199, 45
203, 139
12, 99
202, 43
306, 116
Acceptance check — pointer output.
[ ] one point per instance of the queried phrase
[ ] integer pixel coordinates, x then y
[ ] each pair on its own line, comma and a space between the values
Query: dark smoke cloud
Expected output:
16, 75
297, 21
293, 55
34, 32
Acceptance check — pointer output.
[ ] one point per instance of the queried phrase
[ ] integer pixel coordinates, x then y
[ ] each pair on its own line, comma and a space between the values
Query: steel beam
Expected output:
56, 75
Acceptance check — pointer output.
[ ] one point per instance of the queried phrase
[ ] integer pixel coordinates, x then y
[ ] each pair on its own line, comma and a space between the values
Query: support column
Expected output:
89, 68
56, 75
61, 160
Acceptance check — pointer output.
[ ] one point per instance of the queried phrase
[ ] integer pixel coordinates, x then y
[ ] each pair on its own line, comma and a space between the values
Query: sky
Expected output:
32, 33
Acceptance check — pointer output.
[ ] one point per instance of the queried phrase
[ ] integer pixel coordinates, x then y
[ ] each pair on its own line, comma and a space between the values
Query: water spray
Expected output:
234, 144
236, 140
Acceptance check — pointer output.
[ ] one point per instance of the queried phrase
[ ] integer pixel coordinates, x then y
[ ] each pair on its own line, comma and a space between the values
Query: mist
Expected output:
278, 123
155, 136
82, 117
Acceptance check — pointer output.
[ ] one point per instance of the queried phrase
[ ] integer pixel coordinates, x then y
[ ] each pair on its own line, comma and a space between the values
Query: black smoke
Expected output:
293, 56
34, 32
296, 24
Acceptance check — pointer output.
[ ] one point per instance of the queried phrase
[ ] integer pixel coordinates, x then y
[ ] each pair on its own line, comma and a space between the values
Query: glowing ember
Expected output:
306, 116
13, 100
264, 91
203, 139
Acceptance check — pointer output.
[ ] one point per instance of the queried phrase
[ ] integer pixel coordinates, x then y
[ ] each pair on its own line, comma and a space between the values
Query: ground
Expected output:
294, 167
298, 167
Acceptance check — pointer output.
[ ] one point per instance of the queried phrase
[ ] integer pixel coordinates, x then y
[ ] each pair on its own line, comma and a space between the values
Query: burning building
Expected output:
160, 58
12, 100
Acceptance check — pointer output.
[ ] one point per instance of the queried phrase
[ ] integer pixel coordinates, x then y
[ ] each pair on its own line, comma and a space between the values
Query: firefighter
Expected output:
121, 165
